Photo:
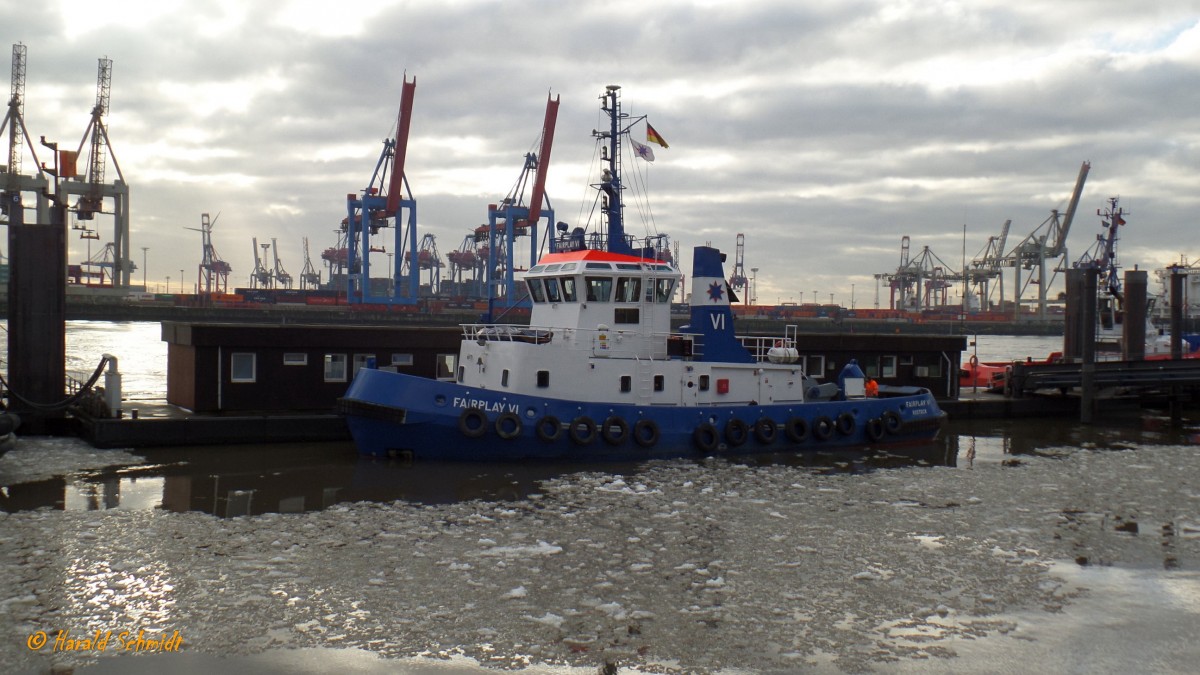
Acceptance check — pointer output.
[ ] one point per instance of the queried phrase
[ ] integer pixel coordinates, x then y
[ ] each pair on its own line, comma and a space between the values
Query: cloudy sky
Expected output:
823, 131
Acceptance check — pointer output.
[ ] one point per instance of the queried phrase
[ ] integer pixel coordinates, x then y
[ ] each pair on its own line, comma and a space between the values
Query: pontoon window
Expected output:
535, 290
628, 289
599, 289
568, 289
552, 292
664, 287
887, 366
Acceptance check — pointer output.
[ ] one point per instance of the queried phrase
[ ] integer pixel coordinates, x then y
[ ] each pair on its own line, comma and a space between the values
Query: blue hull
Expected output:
391, 414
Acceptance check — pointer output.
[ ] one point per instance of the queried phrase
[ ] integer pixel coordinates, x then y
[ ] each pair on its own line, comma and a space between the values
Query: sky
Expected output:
825, 132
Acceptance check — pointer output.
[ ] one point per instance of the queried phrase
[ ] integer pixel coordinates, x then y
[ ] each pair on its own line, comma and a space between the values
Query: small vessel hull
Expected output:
397, 415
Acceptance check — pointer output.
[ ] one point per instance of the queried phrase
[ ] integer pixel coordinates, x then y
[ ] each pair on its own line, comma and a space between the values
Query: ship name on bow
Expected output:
486, 406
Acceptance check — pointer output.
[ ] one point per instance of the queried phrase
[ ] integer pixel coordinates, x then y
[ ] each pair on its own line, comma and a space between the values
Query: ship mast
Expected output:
610, 182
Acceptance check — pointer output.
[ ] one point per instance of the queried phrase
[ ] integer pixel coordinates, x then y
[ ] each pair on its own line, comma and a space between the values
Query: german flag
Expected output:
653, 137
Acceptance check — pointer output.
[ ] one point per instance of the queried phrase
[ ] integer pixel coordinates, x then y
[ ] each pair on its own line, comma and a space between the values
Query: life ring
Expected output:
548, 428
765, 430
614, 437
472, 423
706, 437
874, 428
796, 430
845, 424
892, 422
645, 433
582, 430
508, 425
822, 428
736, 432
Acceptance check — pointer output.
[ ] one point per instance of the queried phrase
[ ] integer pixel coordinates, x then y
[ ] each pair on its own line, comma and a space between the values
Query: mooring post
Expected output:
36, 311
1087, 343
1176, 300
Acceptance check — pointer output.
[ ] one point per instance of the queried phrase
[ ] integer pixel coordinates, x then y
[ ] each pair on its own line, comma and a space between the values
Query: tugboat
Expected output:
598, 373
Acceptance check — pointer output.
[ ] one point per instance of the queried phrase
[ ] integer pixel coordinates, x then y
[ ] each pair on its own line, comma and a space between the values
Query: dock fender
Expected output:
645, 432
472, 423
765, 430
736, 432
845, 424
822, 428
706, 437
582, 430
796, 429
508, 425
874, 429
548, 428
615, 430
892, 422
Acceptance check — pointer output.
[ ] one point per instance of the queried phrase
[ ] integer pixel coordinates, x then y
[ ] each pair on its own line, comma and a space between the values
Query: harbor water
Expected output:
1002, 544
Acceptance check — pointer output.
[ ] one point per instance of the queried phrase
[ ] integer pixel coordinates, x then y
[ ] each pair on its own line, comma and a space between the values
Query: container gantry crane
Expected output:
279, 276
213, 272
261, 276
91, 188
1048, 241
309, 276
738, 281
381, 205
512, 218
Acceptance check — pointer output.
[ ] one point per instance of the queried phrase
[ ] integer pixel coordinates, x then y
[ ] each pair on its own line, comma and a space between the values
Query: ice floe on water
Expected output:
685, 567
53, 457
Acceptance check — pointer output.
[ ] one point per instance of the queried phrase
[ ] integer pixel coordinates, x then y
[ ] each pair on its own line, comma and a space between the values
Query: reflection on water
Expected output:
250, 480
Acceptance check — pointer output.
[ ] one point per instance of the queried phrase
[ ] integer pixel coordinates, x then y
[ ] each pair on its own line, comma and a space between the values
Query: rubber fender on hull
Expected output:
822, 428
472, 423
645, 433
765, 430
892, 422
583, 430
796, 430
508, 425
845, 424
736, 432
548, 428
706, 437
614, 431
874, 428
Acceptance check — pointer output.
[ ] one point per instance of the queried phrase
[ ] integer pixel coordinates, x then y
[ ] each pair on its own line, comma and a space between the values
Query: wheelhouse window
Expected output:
568, 289
535, 290
552, 292
241, 367
663, 288
599, 289
629, 289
